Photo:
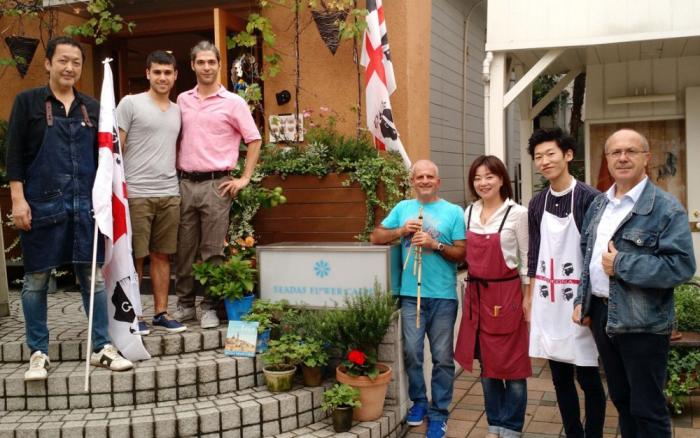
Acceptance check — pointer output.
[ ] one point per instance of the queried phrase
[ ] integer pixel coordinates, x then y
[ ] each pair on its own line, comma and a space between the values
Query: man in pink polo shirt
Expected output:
214, 122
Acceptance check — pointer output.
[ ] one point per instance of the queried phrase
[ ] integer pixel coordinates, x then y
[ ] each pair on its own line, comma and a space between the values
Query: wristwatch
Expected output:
440, 247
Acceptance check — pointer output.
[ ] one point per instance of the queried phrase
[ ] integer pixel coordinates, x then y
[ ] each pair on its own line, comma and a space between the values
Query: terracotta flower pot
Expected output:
342, 419
312, 375
372, 392
279, 381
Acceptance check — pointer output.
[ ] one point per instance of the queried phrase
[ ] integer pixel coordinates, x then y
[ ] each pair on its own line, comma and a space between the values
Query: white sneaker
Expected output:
209, 319
38, 364
110, 358
183, 314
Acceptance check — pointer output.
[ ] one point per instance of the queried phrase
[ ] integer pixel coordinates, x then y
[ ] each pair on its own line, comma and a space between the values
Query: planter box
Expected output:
317, 210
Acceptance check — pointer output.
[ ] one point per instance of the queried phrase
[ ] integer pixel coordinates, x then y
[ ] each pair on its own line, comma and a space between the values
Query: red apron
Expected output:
492, 312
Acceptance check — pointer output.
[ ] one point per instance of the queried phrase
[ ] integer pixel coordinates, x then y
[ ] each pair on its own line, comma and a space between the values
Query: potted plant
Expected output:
22, 47
360, 329
268, 314
313, 358
352, 169
233, 280
328, 14
280, 362
687, 309
339, 401
683, 366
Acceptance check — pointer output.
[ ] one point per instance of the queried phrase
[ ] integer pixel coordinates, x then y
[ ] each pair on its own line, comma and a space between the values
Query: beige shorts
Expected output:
154, 223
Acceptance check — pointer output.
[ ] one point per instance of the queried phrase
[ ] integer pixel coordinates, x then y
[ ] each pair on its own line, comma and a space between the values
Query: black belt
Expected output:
602, 300
203, 176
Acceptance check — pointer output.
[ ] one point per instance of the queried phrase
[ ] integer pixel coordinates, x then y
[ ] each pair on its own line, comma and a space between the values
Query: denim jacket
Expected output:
655, 254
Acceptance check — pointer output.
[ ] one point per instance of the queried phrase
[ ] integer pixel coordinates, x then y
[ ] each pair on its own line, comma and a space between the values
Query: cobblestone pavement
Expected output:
542, 419
67, 320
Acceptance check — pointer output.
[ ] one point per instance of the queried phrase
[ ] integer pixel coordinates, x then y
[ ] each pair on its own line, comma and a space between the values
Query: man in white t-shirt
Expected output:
149, 125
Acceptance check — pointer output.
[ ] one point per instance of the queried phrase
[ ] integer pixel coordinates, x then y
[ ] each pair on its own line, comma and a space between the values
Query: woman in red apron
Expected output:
493, 327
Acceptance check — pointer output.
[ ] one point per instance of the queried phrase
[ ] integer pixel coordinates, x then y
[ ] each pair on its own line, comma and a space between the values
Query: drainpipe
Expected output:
465, 93
486, 77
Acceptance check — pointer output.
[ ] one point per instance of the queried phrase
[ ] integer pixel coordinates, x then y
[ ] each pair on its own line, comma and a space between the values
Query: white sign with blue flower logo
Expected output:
321, 274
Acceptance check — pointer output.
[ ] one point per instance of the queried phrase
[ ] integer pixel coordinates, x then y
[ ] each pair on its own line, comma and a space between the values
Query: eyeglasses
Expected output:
630, 153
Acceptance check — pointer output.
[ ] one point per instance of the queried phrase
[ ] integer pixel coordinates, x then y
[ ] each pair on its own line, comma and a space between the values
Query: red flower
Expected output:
357, 357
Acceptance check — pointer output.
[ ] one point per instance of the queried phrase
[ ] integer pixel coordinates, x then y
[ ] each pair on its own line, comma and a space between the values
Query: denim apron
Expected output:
58, 189
493, 326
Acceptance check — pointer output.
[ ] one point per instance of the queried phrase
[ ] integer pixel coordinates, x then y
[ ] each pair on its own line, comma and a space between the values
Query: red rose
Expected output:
357, 357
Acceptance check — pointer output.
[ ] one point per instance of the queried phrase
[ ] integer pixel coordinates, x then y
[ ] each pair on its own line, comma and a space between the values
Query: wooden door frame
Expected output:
219, 19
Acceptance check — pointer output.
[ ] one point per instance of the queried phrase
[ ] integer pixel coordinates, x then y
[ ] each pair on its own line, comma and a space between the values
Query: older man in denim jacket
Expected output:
637, 247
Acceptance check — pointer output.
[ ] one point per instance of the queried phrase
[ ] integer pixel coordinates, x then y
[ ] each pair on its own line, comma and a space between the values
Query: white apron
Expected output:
553, 335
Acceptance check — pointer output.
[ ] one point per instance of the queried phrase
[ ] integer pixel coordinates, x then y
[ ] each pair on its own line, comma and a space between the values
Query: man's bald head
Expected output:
423, 164
628, 135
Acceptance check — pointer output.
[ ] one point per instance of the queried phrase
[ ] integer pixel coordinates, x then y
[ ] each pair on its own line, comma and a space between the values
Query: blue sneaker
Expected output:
416, 414
436, 429
142, 330
170, 325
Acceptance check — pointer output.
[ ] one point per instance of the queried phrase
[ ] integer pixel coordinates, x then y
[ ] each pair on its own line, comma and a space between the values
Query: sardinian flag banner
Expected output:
112, 215
380, 82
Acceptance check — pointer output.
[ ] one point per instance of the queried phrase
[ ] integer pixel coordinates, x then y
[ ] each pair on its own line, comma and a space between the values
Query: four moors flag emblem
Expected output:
112, 216
380, 82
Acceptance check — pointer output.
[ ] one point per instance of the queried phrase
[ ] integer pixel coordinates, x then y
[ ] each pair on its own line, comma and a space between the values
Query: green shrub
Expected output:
364, 321
312, 353
683, 367
267, 313
283, 354
232, 279
340, 395
687, 306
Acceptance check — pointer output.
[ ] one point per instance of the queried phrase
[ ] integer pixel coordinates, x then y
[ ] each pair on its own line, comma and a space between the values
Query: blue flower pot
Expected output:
263, 340
235, 309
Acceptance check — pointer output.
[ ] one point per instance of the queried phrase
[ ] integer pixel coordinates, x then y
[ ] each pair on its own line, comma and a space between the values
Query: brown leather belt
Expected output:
202, 176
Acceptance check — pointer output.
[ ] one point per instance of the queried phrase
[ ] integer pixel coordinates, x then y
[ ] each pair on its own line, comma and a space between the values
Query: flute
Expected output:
418, 261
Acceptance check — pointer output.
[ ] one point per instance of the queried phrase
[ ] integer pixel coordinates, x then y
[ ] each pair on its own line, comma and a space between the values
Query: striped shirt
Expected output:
558, 204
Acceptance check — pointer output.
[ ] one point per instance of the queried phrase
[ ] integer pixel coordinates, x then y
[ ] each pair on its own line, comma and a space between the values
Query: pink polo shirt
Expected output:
212, 130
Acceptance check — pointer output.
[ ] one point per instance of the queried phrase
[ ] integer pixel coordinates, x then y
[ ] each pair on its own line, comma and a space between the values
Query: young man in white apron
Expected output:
555, 261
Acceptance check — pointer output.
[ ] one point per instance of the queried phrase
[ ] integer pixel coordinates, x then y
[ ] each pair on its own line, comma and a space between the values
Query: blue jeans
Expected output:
437, 320
34, 292
505, 402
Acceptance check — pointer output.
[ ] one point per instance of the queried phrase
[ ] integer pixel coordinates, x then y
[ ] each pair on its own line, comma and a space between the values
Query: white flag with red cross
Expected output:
111, 207
380, 82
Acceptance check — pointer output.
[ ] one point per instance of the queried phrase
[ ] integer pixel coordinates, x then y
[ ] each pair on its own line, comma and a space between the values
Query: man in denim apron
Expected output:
51, 164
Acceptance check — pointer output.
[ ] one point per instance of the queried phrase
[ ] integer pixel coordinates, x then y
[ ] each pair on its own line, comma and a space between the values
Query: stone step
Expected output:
68, 332
159, 379
388, 425
157, 344
249, 413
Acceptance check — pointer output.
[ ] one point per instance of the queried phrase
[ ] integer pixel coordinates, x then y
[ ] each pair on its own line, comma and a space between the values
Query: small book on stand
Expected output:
241, 338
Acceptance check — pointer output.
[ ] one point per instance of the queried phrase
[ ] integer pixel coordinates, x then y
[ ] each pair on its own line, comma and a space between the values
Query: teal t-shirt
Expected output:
445, 223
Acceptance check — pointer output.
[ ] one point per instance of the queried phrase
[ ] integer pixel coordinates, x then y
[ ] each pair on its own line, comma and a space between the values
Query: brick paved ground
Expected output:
542, 420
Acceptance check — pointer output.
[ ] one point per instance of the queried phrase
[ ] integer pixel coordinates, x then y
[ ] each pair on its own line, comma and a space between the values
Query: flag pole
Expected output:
92, 305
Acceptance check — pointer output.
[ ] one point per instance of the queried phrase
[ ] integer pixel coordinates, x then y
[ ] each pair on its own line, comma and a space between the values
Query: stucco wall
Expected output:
331, 80
12, 82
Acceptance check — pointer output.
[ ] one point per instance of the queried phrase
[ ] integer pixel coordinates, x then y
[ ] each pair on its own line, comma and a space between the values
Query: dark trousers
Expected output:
635, 368
567, 398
